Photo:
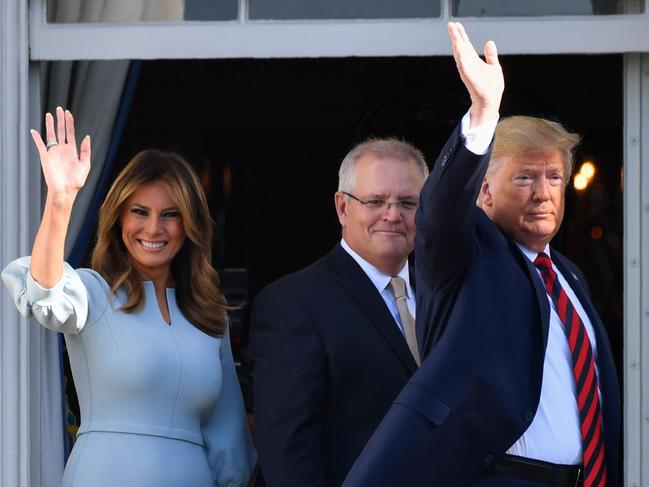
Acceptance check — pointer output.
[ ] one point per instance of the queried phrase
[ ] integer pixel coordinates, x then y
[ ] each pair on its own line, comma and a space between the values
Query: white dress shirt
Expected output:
477, 139
381, 281
554, 434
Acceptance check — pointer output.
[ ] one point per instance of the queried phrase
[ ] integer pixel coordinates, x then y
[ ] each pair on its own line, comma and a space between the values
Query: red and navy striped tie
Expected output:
583, 367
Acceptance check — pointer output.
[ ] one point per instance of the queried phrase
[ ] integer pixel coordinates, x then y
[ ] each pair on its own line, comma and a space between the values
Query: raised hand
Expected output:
483, 79
65, 172
64, 169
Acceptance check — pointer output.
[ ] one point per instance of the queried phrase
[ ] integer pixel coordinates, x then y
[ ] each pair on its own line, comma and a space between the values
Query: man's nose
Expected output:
542, 189
392, 211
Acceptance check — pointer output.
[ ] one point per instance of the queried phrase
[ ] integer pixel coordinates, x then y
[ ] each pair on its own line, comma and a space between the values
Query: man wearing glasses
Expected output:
334, 343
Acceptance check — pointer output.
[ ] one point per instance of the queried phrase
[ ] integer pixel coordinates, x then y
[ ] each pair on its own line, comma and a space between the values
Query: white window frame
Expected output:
244, 38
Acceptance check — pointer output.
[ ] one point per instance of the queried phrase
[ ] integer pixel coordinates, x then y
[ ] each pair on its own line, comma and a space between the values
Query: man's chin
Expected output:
393, 251
387, 234
537, 240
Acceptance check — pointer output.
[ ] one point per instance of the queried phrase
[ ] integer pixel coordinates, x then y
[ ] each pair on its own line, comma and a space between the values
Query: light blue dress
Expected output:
160, 404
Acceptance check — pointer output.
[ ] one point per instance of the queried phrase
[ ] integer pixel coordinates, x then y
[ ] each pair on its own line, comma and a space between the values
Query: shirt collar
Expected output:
380, 279
530, 254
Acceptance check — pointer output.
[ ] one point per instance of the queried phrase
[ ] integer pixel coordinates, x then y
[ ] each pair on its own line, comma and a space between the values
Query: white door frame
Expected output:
636, 269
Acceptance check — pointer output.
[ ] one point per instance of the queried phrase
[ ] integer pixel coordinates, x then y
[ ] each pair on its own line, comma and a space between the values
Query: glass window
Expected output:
516, 8
72, 11
342, 9
211, 9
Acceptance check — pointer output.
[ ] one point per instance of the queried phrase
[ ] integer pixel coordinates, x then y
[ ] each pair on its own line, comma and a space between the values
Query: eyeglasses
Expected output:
406, 204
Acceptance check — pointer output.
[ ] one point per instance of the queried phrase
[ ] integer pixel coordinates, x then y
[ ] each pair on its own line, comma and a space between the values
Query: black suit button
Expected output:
444, 160
529, 416
489, 458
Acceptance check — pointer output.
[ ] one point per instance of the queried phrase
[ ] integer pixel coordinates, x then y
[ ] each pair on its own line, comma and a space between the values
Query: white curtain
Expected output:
92, 91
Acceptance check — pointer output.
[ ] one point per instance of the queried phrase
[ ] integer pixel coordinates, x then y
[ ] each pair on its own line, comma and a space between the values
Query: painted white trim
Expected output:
636, 265
640, 459
19, 209
244, 38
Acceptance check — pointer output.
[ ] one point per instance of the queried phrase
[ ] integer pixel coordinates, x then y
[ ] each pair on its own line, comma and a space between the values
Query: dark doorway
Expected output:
267, 137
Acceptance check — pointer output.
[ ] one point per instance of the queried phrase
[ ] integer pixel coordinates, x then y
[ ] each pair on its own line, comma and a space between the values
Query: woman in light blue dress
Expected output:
146, 328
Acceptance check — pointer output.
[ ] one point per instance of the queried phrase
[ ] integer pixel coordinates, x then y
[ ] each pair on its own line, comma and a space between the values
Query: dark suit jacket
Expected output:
483, 317
329, 360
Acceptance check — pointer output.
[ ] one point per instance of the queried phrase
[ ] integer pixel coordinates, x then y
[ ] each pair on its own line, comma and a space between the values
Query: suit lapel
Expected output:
539, 289
605, 364
603, 349
351, 277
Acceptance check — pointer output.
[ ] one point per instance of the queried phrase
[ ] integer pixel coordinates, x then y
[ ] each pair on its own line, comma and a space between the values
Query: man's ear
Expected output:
341, 207
485, 193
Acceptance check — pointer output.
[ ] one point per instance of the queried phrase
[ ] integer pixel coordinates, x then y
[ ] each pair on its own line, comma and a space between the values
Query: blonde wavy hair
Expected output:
519, 134
197, 292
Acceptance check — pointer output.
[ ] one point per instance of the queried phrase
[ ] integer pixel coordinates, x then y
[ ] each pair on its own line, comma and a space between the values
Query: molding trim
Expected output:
245, 38
636, 268
19, 207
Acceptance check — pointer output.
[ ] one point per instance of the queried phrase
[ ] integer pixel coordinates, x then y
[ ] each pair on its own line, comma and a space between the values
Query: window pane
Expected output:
140, 10
211, 9
516, 8
343, 9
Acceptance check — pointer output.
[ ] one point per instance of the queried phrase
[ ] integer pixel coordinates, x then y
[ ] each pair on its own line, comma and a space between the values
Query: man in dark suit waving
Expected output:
334, 343
518, 386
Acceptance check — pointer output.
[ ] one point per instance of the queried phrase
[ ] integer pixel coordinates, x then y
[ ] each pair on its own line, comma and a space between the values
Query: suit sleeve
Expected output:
445, 239
405, 449
289, 389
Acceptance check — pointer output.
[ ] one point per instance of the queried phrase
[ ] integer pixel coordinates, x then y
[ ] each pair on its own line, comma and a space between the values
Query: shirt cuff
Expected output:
477, 139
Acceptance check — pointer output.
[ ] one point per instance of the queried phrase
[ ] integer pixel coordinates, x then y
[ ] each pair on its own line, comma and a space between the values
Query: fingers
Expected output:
491, 53
462, 33
85, 152
455, 39
50, 136
60, 125
460, 41
40, 145
462, 44
63, 132
69, 130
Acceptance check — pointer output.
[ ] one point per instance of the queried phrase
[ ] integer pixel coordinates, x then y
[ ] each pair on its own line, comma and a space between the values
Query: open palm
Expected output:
65, 170
483, 79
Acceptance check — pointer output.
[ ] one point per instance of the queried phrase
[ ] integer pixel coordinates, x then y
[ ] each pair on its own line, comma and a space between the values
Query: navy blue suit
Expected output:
482, 317
329, 360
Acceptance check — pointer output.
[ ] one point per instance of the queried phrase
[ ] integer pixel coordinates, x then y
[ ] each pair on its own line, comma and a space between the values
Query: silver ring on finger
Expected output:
51, 143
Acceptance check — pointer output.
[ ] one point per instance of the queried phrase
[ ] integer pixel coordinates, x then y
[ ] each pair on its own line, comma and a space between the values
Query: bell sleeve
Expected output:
62, 308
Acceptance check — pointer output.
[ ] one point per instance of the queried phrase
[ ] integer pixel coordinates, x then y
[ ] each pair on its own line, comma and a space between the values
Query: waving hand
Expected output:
483, 79
65, 170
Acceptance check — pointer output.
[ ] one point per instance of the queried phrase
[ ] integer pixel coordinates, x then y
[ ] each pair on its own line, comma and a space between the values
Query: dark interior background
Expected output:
267, 137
